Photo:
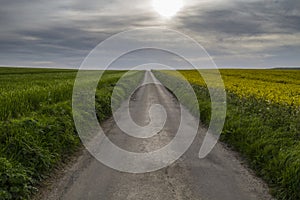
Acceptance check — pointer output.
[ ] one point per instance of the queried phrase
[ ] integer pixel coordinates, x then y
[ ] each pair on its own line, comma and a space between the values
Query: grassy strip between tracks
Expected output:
37, 131
267, 135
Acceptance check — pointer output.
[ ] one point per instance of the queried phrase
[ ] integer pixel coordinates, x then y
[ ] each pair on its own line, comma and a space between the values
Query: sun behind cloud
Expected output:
167, 8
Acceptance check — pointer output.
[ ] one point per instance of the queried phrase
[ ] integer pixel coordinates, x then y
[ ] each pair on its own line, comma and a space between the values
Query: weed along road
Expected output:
219, 176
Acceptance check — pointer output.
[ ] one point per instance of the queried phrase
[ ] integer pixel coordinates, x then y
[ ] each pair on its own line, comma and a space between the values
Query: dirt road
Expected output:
220, 176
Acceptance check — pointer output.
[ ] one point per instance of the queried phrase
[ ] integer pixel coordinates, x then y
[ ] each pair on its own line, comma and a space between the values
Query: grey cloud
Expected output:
243, 17
245, 29
63, 32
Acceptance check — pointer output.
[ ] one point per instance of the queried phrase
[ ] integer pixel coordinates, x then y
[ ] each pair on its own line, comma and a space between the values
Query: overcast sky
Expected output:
236, 33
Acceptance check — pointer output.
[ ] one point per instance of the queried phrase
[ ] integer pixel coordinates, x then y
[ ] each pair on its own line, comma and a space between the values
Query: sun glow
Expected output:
167, 8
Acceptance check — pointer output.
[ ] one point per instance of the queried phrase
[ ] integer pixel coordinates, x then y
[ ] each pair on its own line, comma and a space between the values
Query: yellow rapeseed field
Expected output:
277, 86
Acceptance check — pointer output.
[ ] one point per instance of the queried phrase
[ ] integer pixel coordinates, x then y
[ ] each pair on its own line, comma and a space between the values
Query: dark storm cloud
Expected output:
61, 33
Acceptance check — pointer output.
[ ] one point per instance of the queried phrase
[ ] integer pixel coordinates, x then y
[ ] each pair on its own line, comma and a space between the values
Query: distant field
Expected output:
26, 90
262, 121
36, 123
276, 86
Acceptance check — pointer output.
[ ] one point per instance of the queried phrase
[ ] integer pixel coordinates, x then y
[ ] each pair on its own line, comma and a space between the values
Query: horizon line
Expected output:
114, 69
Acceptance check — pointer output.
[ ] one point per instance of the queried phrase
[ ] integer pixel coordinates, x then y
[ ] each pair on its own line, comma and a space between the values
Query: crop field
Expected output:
262, 121
37, 131
276, 86
36, 125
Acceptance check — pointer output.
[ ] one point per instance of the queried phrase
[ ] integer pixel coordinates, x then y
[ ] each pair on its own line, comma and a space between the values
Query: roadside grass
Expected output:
266, 133
37, 131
